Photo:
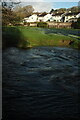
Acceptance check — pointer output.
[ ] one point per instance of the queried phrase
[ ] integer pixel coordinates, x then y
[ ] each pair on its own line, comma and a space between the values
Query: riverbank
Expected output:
25, 37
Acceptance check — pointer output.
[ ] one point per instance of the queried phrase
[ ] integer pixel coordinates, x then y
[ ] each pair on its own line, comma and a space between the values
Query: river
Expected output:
42, 82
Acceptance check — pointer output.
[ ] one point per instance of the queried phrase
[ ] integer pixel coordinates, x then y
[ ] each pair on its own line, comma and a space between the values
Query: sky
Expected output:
42, 5
47, 5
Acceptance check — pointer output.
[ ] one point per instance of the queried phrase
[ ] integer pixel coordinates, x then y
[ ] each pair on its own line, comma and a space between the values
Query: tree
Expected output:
74, 9
76, 25
13, 16
8, 16
25, 11
10, 4
62, 10
52, 10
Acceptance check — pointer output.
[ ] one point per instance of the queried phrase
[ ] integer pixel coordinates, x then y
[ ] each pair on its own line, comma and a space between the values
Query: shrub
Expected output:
42, 24
10, 37
76, 25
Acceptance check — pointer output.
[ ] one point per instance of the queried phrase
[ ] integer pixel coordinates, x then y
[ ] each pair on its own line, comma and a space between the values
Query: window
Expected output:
67, 17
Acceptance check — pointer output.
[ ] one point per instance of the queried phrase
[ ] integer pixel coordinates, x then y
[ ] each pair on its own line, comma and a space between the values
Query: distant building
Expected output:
70, 17
54, 17
44, 17
57, 17
47, 17
38, 18
32, 18
41, 17
72, 20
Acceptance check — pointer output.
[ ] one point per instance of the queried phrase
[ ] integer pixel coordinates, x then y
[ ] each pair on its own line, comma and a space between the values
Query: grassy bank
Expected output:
25, 37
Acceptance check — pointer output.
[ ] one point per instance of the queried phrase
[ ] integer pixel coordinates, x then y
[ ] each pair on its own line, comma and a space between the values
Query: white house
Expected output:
69, 17
57, 17
38, 18
78, 15
32, 18
41, 17
72, 20
47, 17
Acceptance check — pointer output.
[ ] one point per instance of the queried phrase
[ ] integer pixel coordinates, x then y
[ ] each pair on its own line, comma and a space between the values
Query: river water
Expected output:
41, 82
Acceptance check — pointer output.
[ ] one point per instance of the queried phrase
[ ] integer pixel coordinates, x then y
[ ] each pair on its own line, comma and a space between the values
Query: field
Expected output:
25, 37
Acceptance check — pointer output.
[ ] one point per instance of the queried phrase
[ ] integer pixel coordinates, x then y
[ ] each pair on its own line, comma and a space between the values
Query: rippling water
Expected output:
41, 82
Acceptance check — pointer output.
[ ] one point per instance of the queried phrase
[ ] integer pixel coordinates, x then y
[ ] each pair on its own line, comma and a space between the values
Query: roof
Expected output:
37, 13
66, 14
74, 13
57, 14
73, 19
28, 16
42, 14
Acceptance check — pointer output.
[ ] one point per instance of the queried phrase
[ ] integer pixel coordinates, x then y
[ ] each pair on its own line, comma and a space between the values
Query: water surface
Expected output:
41, 82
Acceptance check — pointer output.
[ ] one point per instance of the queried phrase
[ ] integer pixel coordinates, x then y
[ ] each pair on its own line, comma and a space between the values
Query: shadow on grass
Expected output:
12, 37
24, 37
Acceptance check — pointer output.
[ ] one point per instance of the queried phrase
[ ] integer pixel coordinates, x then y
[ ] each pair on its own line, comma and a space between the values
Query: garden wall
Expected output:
53, 24
59, 24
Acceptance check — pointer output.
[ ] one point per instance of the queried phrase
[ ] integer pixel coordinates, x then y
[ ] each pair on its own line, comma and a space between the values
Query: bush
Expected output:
10, 37
76, 25
42, 24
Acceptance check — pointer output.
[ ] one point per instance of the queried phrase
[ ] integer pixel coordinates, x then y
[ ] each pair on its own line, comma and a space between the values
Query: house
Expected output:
54, 17
36, 17
32, 18
47, 17
70, 17
72, 20
57, 17
44, 17
41, 17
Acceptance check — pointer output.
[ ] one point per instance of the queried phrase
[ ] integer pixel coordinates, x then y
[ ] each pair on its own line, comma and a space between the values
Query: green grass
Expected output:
25, 37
